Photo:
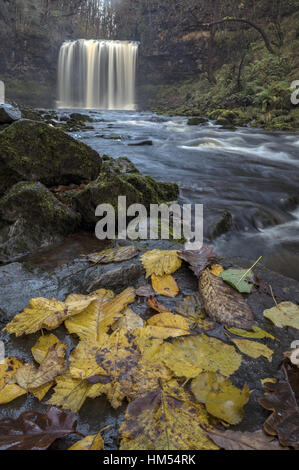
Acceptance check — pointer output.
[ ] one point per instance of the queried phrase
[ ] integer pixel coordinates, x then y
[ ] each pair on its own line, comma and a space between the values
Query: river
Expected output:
250, 173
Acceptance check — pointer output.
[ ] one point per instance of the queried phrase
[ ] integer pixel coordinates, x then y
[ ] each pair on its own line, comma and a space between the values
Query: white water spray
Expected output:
94, 74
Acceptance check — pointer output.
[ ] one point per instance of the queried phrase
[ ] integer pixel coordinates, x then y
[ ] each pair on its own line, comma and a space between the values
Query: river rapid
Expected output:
250, 173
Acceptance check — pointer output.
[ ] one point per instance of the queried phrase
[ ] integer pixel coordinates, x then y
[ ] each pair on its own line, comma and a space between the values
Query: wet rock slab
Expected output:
18, 285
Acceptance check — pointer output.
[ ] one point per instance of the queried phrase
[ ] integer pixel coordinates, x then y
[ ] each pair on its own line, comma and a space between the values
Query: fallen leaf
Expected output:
161, 262
128, 321
167, 325
236, 440
253, 348
157, 306
114, 255
94, 442
42, 346
199, 260
268, 379
216, 269
256, 333
165, 419
190, 307
28, 377
285, 314
165, 285
9, 391
100, 315
222, 399
282, 399
223, 304
44, 313
233, 277
36, 431
69, 393
189, 356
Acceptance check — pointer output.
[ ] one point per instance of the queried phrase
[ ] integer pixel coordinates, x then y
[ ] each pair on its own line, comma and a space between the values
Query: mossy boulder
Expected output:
108, 187
121, 165
228, 117
31, 218
196, 121
34, 151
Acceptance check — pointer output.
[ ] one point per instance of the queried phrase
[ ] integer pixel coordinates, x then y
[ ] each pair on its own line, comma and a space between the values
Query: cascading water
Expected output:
94, 74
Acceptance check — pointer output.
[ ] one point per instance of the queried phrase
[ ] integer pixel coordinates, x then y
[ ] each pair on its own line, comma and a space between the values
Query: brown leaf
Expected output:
155, 305
235, 440
224, 304
36, 431
199, 260
283, 400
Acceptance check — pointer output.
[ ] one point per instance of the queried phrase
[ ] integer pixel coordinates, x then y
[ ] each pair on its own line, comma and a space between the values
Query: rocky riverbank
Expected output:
50, 183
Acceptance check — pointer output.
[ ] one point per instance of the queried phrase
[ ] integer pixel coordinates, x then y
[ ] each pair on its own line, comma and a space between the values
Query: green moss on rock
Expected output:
34, 151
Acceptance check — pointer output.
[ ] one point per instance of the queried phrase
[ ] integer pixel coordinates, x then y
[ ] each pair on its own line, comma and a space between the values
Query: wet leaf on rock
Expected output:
188, 357
165, 285
44, 313
165, 418
235, 440
233, 277
94, 442
222, 399
190, 307
114, 255
36, 431
282, 399
199, 260
145, 291
9, 391
157, 306
161, 262
223, 304
167, 325
256, 333
284, 314
69, 393
253, 348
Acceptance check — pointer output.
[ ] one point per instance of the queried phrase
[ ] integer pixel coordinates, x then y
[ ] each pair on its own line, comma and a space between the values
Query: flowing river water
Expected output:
250, 173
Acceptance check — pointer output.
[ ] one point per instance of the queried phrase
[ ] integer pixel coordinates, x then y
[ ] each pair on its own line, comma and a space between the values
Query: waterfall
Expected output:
94, 74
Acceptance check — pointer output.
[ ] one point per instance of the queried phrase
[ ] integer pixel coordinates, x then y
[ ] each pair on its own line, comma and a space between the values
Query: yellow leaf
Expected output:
216, 269
266, 380
161, 262
69, 393
100, 315
222, 399
165, 285
28, 377
107, 365
253, 348
165, 418
44, 313
128, 321
9, 391
187, 357
285, 314
41, 392
256, 333
94, 442
43, 344
166, 325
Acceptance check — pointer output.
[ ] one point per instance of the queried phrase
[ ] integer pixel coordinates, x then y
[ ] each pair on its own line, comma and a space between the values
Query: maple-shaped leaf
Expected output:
223, 303
236, 440
283, 400
36, 431
199, 260
9, 391
165, 418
